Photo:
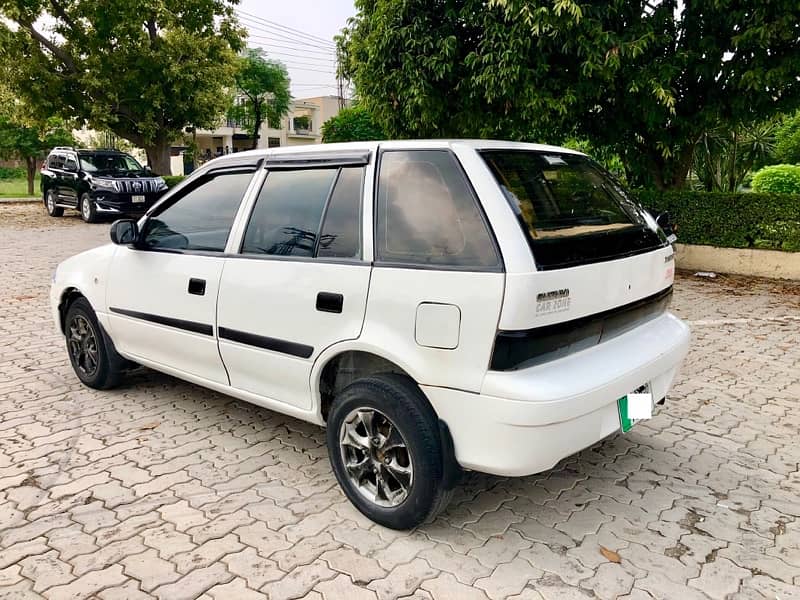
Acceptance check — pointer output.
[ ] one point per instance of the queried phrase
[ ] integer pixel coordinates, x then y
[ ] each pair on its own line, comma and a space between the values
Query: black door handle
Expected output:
330, 302
197, 286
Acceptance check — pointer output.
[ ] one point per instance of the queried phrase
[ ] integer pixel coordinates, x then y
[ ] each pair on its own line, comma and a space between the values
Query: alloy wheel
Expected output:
376, 457
83, 345
86, 209
51, 202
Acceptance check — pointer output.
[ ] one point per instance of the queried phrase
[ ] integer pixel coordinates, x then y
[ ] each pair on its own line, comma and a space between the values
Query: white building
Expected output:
301, 126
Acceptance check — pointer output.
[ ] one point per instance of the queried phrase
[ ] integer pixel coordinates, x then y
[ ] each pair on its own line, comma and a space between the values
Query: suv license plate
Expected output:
137, 198
634, 407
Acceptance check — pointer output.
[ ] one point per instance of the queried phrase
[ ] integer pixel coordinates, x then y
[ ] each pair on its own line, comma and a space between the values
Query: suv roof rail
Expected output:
63, 148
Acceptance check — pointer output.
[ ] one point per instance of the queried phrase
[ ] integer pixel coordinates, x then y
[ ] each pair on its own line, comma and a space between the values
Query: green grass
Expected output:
18, 188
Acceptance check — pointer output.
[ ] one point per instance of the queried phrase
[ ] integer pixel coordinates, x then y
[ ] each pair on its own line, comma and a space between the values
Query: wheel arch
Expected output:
343, 363
68, 296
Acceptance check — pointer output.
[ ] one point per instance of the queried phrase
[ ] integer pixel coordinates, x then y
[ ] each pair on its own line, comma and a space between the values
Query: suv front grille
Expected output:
136, 186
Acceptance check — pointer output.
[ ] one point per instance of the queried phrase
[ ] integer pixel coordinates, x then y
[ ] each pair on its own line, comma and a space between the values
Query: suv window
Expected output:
109, 162
56, 161
290, 207
70, 164
201, 219
428, 215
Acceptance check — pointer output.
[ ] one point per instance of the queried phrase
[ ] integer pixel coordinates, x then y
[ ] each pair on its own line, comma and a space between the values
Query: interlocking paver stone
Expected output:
164, 489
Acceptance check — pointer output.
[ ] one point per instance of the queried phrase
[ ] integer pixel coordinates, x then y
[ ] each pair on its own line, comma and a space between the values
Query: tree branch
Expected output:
54, 49
59, 11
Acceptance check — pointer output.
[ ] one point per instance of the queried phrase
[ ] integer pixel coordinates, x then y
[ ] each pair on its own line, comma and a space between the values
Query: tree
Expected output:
787, 140
264, 85
353, 124
725, 155
642, 78
24, 138
143, 69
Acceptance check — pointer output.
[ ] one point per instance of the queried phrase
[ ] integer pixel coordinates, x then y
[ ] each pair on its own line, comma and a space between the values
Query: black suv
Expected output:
98, 182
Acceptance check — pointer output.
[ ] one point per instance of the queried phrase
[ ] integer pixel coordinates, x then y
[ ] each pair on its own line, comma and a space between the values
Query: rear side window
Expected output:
201, 219
56, 161
307, 213
428, 215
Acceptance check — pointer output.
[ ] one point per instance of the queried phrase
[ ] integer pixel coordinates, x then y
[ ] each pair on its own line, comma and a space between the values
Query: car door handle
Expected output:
330, 302
197, 286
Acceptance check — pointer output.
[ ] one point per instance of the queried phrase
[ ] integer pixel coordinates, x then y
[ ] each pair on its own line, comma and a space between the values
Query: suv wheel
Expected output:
93, 357
50, 204
88, 210
384, 446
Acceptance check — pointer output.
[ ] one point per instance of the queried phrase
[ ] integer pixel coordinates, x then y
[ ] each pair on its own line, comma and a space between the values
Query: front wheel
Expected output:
93, 357
88, 210
50, 203
385, 449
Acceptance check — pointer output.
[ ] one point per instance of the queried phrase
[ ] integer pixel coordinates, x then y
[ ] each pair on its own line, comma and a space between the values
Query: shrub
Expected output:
354, 124
731, 220
12, 173
777, 179
173, 180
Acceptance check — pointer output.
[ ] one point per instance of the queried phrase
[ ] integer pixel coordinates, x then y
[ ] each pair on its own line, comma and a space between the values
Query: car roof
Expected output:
394, 145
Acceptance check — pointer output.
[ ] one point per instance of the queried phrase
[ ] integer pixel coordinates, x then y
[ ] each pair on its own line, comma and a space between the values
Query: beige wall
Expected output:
739, 261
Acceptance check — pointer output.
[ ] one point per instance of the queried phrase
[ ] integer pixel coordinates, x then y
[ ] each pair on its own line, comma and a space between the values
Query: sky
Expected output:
300, 35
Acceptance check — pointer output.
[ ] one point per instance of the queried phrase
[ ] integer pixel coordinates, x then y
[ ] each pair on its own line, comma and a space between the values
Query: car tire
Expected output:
87, 209
91, 352
50, 204
385, 449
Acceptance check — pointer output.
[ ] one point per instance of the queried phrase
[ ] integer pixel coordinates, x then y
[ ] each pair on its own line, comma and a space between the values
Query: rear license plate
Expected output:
634, 407
137, 198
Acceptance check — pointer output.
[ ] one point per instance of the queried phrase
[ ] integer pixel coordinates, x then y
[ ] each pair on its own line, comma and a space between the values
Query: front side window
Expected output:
428, 215
109, 163
201, 219
572, 212
294, 206
56, 161
70, 164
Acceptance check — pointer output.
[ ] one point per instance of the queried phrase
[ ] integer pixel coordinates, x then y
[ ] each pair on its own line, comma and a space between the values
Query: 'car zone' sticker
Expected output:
552, 302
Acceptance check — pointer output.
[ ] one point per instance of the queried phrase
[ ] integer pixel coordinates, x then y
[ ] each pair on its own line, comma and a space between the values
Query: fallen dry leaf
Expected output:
152, 425
610, 555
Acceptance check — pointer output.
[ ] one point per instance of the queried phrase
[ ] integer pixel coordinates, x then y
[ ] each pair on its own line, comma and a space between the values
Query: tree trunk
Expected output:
257, 120
158, 156
30, 163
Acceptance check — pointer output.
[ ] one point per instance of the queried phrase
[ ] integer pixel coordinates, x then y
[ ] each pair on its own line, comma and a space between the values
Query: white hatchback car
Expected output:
437, 305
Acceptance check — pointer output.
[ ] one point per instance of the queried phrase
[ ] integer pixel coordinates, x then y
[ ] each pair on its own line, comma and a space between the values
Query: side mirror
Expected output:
148, 170
663, 220
124, 232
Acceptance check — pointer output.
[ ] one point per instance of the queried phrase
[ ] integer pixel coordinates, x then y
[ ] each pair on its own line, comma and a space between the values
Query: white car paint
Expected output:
504, 422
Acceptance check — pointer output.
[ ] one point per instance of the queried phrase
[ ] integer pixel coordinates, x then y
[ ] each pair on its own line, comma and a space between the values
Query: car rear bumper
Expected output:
525, 421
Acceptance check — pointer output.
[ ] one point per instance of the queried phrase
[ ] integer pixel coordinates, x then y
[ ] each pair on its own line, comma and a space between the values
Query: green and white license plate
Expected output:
635, 407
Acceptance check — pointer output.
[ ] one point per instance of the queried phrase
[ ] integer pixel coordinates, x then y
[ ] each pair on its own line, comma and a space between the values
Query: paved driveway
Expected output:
164, 489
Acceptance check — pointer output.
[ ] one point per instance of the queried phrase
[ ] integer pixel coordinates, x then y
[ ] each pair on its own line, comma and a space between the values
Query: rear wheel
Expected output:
50, 204
88, 209
385, 449
93, 357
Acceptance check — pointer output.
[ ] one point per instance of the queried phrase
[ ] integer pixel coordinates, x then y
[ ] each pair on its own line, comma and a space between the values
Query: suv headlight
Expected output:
105, 184
160, 184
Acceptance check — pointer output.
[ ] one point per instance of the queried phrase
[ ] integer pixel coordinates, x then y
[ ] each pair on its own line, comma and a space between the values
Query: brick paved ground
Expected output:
164, 489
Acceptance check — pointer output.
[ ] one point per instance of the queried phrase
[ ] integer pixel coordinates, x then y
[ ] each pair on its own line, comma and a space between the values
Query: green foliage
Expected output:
143, 69
731, 220
12, 172
787, 140
644, 79
777, 179
264, 86
173, 180
354, 124
725, 155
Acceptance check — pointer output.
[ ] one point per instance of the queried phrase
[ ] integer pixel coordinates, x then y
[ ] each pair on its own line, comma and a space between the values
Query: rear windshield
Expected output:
572, 211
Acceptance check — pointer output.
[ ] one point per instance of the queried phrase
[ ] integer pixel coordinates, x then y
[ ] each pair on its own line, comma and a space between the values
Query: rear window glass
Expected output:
572, 212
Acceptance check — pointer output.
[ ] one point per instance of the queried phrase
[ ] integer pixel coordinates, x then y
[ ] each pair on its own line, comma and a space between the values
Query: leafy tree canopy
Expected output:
353, 124
143, 69
263, 86
643, 78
